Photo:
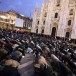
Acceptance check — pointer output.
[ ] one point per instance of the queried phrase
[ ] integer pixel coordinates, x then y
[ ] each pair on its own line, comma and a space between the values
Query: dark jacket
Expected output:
9, 71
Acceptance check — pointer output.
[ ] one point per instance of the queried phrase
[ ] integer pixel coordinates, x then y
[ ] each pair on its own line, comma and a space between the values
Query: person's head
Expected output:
42, 60
11, 63
46, 51
3, 52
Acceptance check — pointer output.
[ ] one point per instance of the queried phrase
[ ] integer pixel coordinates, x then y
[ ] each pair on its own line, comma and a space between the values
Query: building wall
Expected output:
61, 23
34, 23
73, 35
27, 21
7, 20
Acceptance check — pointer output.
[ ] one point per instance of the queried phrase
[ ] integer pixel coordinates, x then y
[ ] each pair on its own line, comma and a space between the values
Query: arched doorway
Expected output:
42, 31
53, 32
56, 15
67, 35
36, 30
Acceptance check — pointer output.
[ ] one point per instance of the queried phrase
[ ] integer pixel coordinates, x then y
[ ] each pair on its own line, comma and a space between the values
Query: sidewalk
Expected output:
26, 67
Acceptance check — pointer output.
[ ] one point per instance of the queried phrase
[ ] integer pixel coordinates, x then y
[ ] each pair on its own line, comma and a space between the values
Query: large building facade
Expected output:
27, 25
7, 20
56, 18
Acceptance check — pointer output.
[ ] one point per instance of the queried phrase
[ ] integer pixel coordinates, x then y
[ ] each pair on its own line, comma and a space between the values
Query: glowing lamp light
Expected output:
69, 39
23, 56
21, 15
29, 28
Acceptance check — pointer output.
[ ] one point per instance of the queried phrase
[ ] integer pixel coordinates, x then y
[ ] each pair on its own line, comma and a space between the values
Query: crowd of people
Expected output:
52, 57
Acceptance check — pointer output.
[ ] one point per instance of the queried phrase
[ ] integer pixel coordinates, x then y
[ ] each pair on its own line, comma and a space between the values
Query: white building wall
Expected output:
63, 18
48, 25
41, 18
34, 20
62, 21
73, 36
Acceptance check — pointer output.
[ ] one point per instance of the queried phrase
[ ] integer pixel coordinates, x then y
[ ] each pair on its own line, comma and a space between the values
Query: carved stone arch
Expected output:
55, 24
68, 29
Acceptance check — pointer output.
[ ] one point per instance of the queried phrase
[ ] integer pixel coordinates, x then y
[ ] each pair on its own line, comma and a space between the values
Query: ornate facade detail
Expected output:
59, 16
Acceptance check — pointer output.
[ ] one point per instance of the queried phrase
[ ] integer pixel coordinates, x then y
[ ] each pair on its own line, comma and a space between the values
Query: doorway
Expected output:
53, 32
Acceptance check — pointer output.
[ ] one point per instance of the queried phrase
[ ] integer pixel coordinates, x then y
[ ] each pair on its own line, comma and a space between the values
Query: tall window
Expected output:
58, 3
36, 30
56, 15
71, 12
53, 33
45, 15
37, 22
69, 22
67, 35
12, 21
42, 31
43, 22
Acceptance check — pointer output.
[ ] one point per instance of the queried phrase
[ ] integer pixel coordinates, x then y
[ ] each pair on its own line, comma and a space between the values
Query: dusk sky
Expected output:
24, 7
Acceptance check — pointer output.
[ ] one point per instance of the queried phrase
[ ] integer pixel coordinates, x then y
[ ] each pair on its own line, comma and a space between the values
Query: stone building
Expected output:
56, 18
27, 25
7, 20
